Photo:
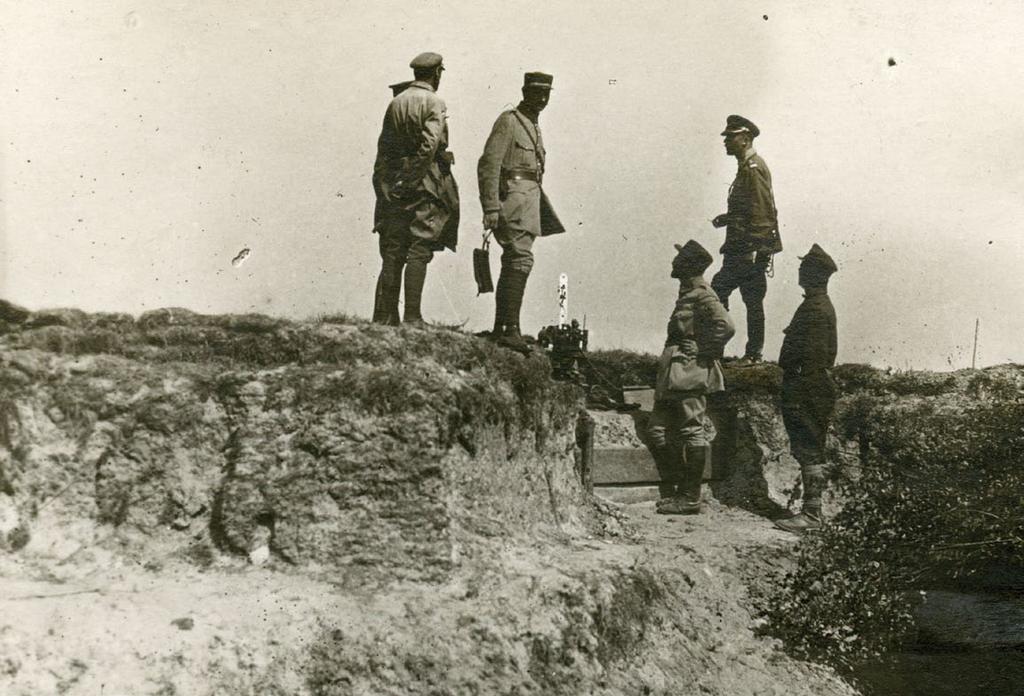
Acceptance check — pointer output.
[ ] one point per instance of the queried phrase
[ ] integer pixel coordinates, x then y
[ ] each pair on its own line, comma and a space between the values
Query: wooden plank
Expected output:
625, 495
624, 465
631, 465
639, 395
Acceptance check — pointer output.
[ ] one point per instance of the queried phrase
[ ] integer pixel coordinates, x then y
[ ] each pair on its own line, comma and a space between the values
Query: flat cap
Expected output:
538, 79
738, 124
425, 61
692, 254
399, 87
818, 258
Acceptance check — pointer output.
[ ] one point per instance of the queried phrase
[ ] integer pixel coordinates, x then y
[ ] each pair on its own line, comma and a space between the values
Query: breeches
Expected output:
806, 420
747, 274
679, 422
517, 248
400, 244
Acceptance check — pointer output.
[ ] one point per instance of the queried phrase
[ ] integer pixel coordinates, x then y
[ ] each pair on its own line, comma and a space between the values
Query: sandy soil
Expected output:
517, 619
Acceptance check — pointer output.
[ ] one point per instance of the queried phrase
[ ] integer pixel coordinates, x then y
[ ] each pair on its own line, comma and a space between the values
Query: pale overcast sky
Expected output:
146, 143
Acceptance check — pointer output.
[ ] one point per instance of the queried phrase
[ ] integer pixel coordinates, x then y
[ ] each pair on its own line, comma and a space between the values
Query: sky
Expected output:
145, 144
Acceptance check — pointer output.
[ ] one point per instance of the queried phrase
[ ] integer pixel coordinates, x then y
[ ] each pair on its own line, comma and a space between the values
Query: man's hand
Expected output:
491, 220
688, 348
721, 220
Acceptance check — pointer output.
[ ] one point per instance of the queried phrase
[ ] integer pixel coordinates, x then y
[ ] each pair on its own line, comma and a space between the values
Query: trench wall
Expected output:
374, 452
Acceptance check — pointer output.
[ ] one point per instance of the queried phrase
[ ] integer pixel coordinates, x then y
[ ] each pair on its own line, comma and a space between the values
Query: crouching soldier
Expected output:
688, 371
808, 392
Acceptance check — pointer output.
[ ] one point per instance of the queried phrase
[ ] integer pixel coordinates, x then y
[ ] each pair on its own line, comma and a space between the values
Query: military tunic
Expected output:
509, 173
751, 237
688, 369
808, 391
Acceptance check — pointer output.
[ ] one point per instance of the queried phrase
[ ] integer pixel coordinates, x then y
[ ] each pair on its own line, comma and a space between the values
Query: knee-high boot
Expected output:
515, 284
690, 477
500, 305
389, 285
415, 276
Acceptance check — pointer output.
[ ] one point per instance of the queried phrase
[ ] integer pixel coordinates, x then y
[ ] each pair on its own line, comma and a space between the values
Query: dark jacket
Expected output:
412, 170
809, 348
753, 220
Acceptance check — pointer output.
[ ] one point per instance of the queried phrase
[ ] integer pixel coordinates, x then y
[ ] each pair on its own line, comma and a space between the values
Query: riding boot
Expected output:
667, 467
515, 283
812, 478
690, 475
693, 475
389, 285
500, 305
415, 275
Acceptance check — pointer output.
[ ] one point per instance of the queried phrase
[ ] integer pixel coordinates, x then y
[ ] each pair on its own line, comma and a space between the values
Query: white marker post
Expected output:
563, 299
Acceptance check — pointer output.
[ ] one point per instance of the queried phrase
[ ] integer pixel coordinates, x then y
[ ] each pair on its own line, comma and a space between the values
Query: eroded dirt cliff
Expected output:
194, 504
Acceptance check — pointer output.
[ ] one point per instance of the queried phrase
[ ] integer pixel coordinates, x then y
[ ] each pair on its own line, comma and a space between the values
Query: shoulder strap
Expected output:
529, 133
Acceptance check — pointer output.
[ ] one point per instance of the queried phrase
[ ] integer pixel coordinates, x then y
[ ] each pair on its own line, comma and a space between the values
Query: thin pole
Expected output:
974, 356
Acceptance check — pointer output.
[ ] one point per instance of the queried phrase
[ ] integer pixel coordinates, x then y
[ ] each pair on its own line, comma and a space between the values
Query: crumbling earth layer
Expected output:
206, 505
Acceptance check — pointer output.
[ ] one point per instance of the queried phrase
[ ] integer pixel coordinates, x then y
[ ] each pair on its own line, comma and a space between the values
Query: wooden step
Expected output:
629, 465
626, 495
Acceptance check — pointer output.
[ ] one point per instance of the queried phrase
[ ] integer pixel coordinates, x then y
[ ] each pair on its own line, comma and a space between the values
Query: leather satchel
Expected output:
482, 267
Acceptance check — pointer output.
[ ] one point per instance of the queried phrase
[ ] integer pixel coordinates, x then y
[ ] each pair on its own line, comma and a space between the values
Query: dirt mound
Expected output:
195, 504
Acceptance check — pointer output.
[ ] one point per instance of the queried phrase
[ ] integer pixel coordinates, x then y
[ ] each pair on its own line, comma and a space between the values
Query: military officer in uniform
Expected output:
688, 371
510, 173
752, 232
417, 211
808, 392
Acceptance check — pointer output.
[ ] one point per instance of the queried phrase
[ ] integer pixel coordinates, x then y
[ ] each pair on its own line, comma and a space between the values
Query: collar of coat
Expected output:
815, 292
692, 282
422, 85
746, 156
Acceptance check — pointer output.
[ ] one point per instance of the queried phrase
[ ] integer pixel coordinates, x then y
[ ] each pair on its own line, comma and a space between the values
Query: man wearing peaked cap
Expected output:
516, 209
417, 209
427, 61
737, 124
808, 392
688, 371
752, 231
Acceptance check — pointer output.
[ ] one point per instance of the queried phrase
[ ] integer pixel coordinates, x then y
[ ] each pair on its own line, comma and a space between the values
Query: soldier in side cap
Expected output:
808, 392
510, 173
752, 232
417, 211
688, 371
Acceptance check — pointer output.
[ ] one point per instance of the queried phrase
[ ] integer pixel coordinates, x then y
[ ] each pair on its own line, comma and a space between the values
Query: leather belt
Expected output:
521, 174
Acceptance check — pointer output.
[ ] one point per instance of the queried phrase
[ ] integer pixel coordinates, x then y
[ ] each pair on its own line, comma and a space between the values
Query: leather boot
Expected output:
500, 305
415, 276
385, 301
667, 471
515, 284
691, 476
812, 478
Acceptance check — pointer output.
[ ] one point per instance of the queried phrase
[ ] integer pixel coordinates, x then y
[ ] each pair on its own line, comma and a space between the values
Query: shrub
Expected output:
940, 498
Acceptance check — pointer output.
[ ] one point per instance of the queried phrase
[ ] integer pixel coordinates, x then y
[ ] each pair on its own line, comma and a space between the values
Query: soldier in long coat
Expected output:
417, 210
688, 371
808, 392
510, 175
752, 232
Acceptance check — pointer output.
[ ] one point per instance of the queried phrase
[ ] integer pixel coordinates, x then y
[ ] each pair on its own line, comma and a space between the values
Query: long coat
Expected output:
698, 319
412, 172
